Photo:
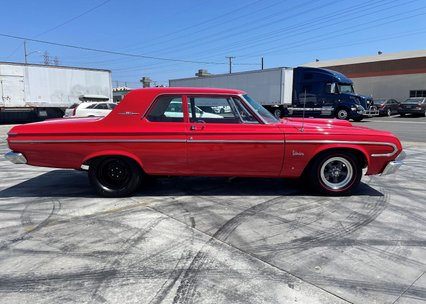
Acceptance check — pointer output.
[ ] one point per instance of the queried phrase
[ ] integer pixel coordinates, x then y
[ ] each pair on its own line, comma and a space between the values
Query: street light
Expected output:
28, 54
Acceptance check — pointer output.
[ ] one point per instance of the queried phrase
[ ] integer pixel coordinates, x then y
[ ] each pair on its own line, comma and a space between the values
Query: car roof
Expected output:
189, 90
141, 99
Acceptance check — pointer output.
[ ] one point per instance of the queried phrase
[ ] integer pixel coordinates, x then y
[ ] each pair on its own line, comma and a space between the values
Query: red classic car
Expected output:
173, 131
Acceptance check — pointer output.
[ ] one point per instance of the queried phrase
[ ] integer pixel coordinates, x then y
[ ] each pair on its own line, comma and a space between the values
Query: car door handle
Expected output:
195, 128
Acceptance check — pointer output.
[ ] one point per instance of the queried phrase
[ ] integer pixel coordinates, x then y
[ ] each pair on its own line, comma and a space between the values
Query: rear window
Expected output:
166, 109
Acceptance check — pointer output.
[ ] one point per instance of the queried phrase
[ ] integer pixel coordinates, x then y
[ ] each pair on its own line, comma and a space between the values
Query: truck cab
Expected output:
321, 92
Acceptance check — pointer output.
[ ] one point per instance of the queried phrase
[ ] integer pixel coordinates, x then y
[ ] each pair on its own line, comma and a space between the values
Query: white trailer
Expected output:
296, 91
269, 87
31, 91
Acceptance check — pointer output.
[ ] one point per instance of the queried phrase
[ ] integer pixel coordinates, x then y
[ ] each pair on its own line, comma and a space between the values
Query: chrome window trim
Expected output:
395, 148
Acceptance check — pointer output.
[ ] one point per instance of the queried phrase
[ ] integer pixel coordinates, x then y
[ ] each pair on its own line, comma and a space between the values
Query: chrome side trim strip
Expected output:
237, 141
145, 141
50, 141
395, 148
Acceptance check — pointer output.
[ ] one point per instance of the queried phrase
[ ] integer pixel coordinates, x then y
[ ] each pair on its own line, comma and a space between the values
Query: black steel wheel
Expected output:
335, 173
115, 176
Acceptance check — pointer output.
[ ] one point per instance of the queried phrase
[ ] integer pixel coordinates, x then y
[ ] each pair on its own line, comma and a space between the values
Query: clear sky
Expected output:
166, 39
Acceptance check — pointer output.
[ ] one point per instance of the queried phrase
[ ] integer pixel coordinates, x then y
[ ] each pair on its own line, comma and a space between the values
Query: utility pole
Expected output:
230, 63
25, 51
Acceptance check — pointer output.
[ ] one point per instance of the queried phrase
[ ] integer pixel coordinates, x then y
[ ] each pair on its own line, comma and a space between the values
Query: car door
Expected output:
163, 137
231, 143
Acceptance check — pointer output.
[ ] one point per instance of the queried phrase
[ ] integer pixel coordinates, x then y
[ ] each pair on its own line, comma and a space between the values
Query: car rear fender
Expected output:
90, 157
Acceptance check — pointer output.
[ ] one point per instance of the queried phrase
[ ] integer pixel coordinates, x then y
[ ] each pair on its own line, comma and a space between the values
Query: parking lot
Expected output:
215, 240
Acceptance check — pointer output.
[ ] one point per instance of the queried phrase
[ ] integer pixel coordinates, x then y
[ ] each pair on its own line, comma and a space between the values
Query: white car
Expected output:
90, 109
175, 110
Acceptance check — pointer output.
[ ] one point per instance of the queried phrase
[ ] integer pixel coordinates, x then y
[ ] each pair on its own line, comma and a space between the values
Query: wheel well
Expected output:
90, 160
357, 153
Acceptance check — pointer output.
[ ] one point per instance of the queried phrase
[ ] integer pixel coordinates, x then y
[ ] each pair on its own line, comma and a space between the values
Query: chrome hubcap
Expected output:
336, 173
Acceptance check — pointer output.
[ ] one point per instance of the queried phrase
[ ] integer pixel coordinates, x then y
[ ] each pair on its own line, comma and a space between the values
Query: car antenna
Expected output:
303, 113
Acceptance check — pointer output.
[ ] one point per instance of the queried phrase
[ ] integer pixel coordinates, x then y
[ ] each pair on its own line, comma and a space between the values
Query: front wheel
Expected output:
277, 113
342, 113
335, 173
115, 176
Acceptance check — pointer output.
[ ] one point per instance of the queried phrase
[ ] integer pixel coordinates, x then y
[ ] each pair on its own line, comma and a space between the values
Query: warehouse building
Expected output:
398, 76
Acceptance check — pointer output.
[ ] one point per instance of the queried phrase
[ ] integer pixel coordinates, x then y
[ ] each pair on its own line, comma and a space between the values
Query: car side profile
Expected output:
414, 105
386, 106
143, 136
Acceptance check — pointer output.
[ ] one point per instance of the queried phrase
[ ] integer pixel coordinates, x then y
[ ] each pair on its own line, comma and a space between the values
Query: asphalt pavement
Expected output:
215, 240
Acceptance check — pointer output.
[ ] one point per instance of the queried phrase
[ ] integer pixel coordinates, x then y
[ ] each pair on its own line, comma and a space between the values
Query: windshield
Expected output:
345, 88
261, 111
413, 100
378, 101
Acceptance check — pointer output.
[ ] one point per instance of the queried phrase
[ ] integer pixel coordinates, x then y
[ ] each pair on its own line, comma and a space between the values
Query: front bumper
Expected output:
16, 158
394, 165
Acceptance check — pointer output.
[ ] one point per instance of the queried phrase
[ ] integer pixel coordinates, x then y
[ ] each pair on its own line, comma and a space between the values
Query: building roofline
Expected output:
367, 59
52, 66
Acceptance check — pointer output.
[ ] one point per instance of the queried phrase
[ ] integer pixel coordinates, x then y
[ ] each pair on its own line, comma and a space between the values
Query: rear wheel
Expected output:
335, 173
115, 176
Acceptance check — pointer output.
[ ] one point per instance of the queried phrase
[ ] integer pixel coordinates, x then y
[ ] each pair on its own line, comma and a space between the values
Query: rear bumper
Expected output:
16, 158
411, 111
394, 165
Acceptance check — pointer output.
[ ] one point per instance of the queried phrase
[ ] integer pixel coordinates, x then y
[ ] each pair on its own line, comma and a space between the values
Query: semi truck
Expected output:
35, 92
301, 91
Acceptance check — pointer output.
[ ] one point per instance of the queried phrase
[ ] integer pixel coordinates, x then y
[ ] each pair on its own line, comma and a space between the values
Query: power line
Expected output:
74, 18
108, 51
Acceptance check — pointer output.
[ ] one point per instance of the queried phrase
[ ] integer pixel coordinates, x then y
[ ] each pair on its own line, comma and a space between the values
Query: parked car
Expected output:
139, 138
386, 107
175, 110
86, 109
414, 105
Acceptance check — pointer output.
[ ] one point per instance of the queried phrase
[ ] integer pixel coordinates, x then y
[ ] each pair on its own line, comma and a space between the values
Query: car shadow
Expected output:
71, 183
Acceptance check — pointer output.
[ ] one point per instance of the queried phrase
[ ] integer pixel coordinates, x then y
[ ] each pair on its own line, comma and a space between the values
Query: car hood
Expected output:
329, 127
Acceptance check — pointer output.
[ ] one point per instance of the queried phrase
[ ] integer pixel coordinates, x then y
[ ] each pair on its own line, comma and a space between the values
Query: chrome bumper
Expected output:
394, 165
16, 158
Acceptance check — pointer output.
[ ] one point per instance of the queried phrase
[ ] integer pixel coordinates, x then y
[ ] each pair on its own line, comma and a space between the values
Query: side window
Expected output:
218, 110
102, 106
166, 109
242, 111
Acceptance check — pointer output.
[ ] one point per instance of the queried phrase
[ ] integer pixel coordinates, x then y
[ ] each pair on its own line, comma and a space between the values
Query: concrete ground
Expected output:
212, 240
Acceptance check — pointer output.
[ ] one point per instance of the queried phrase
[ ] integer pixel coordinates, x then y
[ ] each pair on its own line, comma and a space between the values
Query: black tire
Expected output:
115, 176
358, 119
277, 113
389, 113
342, 113
335, 173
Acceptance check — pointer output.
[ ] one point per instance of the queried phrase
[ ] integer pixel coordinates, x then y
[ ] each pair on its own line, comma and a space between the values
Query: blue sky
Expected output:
167, 39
